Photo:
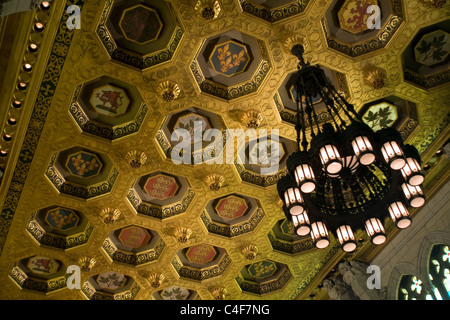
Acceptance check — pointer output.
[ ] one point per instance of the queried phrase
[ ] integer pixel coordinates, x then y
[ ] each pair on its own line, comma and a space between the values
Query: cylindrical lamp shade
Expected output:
319, 234
293, 201
301, 224
375, 230
329, 155
400, 215
412, 172
304, 176
414, 195
346, 238
363, 150
393, 155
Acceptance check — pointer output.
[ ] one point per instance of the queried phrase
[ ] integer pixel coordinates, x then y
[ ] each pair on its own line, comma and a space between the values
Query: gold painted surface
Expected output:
25, 188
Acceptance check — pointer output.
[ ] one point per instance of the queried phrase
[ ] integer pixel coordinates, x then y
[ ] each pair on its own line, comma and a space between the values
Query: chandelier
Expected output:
345, 177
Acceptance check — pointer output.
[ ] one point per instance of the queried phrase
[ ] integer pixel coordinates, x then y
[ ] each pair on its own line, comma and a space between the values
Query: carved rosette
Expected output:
214, 181
208, 9
250, 251
110, 215
86, 263
375, 77
182, 234
252, 119
168, 90
156, 279
219, 293
136, 158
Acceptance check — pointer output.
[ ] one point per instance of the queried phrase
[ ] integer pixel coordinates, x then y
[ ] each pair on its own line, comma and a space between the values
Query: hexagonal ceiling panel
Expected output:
161, 195
273, 10
231, 65
110, 285
426, 59
201, 262
133, 245
40, 274
108, 108
347, 29
140, 34
200, 131
59, 227
263, 277
81, 173
232, 215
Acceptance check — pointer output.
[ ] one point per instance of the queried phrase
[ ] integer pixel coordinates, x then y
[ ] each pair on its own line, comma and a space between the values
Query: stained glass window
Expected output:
412, 288
439, 270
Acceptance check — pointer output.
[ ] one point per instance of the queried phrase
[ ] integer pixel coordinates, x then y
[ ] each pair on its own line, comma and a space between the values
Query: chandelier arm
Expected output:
327, 103
349, 107
302, 117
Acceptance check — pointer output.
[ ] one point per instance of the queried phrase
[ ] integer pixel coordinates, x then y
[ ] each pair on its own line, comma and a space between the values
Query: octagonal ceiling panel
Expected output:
283, 238
232, 215
347, 30
59, 227
285, 98
110, 285
273, 10
141, 24
391, 111
201, 262
231, 65
40, 274
263, 277
140, 34
426, 59
161, 186
108, 108
133, 245
262, 160
161, 195
81, 173
192, 128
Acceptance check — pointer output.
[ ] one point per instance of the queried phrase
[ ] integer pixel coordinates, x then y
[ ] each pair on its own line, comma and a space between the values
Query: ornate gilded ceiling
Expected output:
88, 139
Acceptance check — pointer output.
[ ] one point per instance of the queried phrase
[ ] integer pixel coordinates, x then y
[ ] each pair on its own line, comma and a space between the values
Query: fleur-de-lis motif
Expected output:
229, 60
82, 166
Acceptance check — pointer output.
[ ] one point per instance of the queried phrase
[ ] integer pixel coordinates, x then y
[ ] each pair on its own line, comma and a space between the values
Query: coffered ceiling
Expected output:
87, 139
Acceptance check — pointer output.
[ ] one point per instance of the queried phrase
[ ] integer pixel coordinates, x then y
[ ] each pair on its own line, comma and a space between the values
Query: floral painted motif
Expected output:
433, 48
161, 186
61, 218
231, 207
201, 253
262, 269
111, 280
175, 293
380, 116
84, 165
230, 58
